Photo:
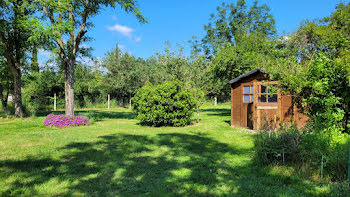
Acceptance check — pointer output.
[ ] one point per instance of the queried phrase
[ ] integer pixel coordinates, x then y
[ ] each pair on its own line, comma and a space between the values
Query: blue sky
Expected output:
177, 20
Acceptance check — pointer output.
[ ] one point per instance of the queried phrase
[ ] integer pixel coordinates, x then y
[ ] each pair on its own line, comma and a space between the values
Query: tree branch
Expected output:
59, 40
7, 50
82, 30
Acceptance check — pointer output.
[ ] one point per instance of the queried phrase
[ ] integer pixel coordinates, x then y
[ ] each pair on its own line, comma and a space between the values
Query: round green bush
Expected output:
167, 104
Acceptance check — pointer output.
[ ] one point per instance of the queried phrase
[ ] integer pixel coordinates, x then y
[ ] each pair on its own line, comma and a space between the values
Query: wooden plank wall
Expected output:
236, 106
284, 113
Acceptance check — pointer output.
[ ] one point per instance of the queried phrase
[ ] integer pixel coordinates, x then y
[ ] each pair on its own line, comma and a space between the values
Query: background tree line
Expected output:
311, 63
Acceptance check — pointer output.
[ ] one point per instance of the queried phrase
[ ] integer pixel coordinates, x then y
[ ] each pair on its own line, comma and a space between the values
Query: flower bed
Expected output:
64, 121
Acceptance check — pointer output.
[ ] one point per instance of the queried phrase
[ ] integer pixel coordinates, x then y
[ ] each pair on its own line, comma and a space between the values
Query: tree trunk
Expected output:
17, 85
4, 98
69, 86
215, 101
34, 62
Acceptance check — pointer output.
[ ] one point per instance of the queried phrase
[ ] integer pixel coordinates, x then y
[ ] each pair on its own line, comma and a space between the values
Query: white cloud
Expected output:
124, 30
138, 39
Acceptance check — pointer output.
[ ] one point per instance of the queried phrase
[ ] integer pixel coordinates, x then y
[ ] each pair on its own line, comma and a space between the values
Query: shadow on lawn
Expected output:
96, 115
218, 112
133, 165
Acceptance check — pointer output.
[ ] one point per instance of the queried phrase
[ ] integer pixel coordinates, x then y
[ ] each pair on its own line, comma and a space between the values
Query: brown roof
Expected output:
255, 70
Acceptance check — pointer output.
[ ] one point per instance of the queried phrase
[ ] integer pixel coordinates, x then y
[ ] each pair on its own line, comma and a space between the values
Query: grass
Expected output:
115, 156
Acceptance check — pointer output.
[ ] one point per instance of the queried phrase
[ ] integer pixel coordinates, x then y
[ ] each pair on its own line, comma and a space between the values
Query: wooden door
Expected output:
267, 105
250, 115
247, 105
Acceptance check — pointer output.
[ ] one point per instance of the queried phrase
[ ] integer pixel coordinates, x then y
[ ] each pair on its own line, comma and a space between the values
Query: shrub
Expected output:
64, 121
167, 104
305, 147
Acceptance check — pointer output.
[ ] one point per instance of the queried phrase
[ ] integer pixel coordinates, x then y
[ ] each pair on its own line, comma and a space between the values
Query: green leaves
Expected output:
233, 20
167, 104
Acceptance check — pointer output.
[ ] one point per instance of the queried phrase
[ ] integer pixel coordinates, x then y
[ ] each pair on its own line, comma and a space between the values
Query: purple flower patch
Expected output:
64, 121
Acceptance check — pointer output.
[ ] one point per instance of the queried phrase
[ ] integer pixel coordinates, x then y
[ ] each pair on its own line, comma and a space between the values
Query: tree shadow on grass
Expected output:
96, 115
171, 164
218, 112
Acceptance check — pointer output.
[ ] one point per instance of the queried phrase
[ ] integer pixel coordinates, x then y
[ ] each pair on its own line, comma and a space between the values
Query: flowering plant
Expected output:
64, 121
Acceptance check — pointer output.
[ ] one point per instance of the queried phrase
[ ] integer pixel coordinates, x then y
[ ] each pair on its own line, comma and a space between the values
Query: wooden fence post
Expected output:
54, 102
109, 101
130, 102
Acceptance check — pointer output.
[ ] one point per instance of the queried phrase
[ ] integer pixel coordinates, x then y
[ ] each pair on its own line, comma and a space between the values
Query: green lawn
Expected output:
115, 156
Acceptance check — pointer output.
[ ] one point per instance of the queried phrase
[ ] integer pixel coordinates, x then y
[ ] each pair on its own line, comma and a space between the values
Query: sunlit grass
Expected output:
115, 156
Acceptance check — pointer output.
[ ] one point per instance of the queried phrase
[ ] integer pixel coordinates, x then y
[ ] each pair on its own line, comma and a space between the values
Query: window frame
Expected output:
250, 94
267, 94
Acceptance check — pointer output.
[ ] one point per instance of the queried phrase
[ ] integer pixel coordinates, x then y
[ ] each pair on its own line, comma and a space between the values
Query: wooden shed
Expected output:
256, 102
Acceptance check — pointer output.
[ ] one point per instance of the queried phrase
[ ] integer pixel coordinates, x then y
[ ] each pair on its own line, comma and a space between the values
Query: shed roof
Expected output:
255, 70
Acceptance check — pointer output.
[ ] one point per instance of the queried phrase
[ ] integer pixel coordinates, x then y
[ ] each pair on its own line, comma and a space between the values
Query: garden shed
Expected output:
257, 102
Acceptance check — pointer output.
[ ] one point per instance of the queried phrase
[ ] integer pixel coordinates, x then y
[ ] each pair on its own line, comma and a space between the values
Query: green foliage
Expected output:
125, 75
209, 159
234, 20
89, 86
305, 148
39, 89
167, 104
249, 51
237, 39
313, 65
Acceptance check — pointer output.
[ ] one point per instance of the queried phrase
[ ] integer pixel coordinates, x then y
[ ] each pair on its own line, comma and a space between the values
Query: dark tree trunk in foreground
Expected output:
4, 98
17, 94
13, 59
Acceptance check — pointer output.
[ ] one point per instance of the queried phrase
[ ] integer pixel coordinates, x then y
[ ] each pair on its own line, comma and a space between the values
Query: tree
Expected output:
39, 87
14, 35
237, 39
71, 19
234, 20
125, 75
313, 65
5, 83
34, 64
250, 51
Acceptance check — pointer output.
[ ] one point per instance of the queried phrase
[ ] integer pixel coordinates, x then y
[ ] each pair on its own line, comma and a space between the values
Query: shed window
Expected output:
268, 94
248, 94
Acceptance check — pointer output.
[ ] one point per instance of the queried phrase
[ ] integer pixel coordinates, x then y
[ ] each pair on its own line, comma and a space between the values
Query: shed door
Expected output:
267, 107
247, 116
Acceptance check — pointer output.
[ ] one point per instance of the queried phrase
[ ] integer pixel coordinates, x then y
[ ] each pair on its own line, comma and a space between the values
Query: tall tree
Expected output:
232, 20
125, 74
5, 82
34, 64
314, 65
14, 35
71, 19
